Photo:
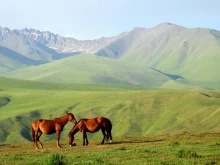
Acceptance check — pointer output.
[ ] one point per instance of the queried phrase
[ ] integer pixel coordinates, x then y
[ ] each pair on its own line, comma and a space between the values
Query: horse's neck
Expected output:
75, 129
62, 120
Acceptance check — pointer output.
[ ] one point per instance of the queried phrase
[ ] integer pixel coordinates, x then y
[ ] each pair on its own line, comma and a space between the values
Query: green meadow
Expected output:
185, 149
150, 126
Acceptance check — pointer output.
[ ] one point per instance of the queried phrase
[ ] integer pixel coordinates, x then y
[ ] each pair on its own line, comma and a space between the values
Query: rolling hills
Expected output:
133, 112
91, 69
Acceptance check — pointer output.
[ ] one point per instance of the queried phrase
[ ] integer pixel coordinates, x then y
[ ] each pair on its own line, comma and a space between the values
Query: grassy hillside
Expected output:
180, 85
11, 60
16, 84
132, 112
91, 69
190, 53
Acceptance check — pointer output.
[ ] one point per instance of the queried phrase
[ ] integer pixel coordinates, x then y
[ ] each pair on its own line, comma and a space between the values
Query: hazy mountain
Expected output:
54, 41
11, 60
41, 47
191, 54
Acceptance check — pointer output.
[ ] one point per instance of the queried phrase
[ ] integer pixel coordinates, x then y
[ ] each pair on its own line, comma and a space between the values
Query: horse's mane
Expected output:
82, 119
76, 125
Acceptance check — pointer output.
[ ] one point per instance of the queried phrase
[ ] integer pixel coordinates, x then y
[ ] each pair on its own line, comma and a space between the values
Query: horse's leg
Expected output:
33, 135
58, 138
103, 132
85, 140
110, 135
38, 139
35, 139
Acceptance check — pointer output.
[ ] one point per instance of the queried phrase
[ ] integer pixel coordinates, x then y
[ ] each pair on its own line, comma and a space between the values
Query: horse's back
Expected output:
45, 126
105, 122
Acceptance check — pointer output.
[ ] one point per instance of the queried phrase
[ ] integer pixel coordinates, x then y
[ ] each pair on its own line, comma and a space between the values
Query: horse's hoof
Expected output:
74, 144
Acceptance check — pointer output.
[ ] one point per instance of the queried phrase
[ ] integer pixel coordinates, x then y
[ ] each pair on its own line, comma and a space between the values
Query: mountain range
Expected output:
162, 56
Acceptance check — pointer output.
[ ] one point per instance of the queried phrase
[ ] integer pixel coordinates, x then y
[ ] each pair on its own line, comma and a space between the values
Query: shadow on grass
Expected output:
135, 141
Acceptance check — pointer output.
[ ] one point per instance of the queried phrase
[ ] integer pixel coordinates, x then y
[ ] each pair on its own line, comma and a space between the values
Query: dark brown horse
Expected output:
49, 127
91, 125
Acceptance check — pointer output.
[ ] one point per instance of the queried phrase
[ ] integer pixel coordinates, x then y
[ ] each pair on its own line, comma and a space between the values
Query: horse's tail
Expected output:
109, 132
33, 132
34, 128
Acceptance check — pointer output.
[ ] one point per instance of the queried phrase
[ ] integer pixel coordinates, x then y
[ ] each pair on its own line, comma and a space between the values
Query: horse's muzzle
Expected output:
74, 121
74, 144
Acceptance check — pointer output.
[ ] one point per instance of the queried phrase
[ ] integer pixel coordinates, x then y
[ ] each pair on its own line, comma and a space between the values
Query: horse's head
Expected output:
71, 118
70, 138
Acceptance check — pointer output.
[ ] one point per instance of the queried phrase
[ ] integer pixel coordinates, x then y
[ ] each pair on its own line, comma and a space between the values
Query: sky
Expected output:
92, 19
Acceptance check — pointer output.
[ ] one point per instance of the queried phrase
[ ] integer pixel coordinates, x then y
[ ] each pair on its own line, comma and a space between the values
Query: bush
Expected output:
186, 154
55, 159
174, 143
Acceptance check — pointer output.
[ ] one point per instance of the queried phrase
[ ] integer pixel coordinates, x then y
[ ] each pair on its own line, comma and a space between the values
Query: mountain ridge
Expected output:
190, 53
59, 43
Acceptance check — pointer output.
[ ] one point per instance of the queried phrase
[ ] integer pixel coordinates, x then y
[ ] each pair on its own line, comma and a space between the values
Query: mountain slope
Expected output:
172, 49
11, 60
26, 47
88, 68
55, 42
123, 45
190, 53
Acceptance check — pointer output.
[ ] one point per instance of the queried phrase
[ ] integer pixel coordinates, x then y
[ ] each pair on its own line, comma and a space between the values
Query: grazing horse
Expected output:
91, 125
49, 127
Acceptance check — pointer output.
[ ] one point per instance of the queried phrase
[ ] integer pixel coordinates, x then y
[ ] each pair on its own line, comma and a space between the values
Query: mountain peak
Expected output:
165, 25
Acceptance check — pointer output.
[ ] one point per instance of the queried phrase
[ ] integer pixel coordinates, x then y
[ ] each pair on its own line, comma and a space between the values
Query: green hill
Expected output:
132, 112
16, 84
91, 69
11, 60
192, 53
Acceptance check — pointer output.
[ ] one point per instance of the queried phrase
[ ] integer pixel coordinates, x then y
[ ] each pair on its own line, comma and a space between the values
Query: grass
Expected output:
149, 126
191, 149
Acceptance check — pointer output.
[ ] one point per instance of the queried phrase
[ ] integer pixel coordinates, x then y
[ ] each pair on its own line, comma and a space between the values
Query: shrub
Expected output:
146, 150
55, 159
174, 143
186, 154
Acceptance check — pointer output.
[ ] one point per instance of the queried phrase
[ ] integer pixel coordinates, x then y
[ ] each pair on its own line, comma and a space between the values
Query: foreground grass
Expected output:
163, 149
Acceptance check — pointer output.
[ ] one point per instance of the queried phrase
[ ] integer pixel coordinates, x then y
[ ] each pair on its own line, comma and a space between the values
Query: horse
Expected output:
91, 125
49, 127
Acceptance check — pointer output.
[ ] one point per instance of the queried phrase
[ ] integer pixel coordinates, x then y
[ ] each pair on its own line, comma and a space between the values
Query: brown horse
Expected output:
91, 125
49, 127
